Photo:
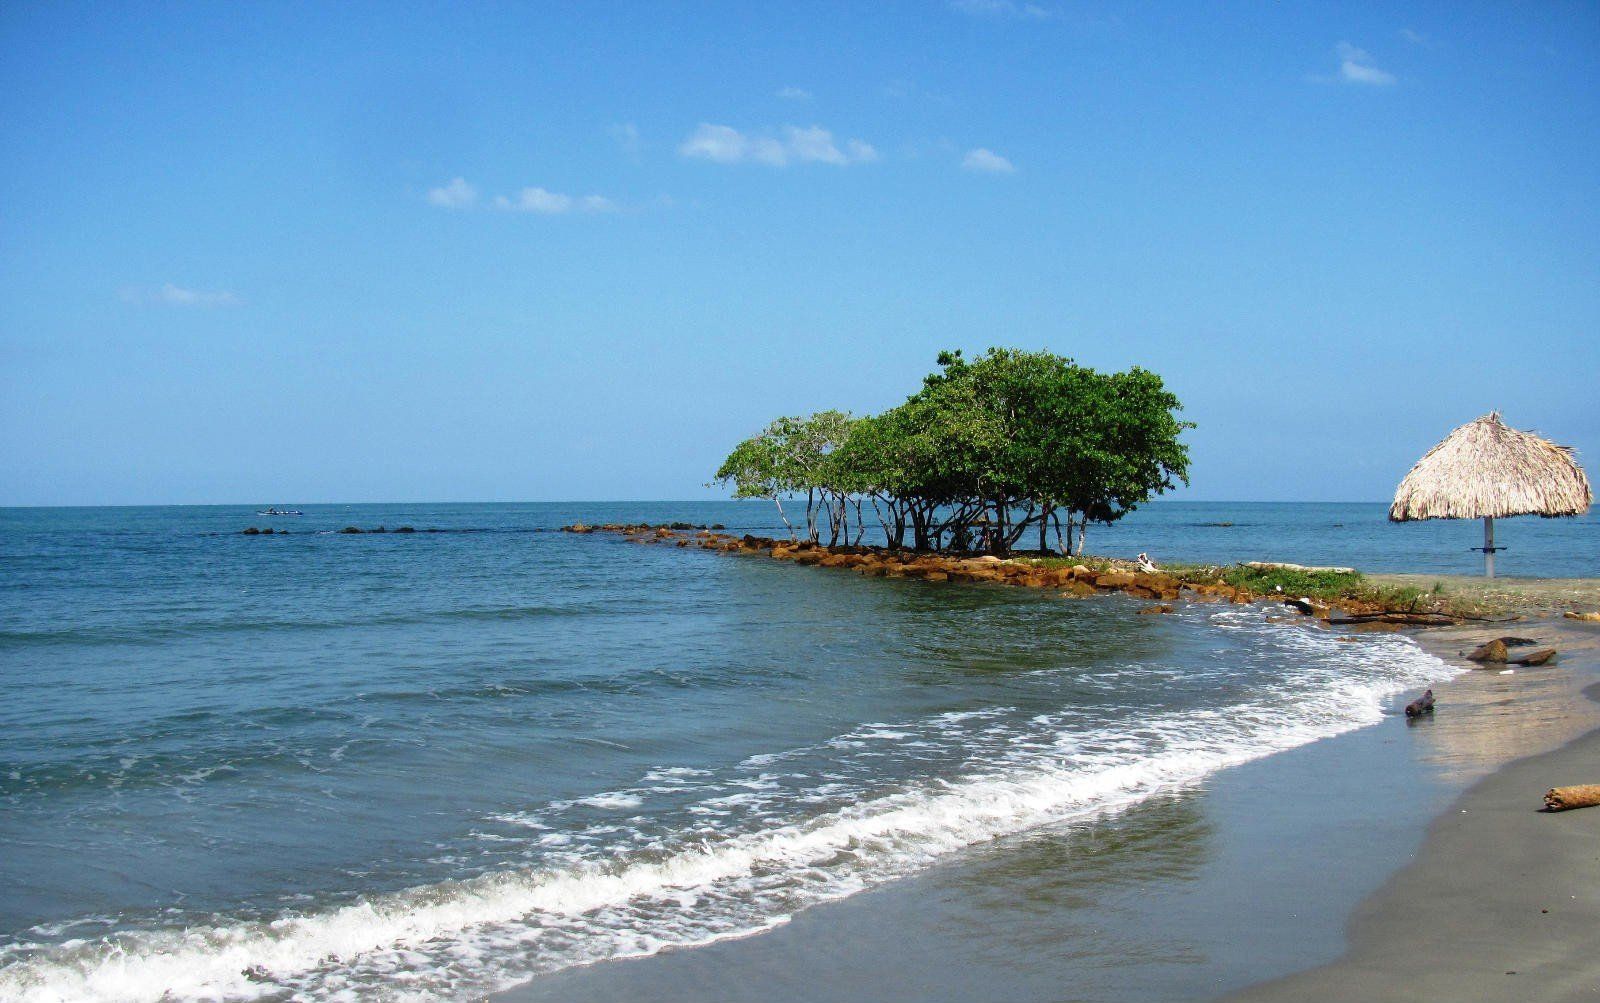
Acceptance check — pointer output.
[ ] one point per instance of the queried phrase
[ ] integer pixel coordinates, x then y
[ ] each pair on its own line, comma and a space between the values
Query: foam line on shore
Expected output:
504, 926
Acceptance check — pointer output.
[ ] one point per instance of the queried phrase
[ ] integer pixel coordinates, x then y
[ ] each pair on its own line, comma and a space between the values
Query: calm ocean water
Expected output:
326, 766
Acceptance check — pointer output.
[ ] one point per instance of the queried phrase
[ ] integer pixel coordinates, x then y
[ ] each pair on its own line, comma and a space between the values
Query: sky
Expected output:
286, 254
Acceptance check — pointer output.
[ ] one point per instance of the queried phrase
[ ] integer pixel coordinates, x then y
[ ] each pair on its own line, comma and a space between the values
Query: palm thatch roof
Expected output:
1485, 468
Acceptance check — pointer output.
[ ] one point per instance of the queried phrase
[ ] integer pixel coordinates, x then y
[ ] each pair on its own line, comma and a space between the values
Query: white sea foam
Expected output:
654, 890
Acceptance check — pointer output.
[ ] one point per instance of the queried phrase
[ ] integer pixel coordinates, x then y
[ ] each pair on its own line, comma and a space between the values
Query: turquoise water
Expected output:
434, 764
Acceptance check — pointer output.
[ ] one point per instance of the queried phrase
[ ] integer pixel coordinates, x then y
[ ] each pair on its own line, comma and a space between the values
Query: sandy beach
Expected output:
1500, 901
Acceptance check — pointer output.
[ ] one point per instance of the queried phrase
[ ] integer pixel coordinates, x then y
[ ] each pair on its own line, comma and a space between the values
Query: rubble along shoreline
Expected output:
1075, 581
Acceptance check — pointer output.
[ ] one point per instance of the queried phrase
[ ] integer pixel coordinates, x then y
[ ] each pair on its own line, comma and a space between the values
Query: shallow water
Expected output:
434, 764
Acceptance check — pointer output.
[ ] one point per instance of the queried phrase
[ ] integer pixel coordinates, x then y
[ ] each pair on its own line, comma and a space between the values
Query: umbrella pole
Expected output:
1488, 546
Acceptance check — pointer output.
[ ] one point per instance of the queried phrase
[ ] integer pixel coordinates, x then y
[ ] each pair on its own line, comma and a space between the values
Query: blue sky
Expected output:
297, 253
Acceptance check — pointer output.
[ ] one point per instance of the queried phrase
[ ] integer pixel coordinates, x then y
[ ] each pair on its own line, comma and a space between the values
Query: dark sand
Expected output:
1503, 900
1253, 876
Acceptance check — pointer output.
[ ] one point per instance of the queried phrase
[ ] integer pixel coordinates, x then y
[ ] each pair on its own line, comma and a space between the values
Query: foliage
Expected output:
987, 449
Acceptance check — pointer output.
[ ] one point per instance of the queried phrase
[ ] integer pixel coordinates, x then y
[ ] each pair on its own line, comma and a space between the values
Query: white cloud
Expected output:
627, 137
1356, 67
548, 203
457, 194
1002, 8
172, 295
986, 162
1418, 38
724, 144
794, 94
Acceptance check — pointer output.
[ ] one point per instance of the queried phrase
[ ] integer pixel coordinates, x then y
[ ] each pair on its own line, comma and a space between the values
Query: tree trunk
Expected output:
784, 516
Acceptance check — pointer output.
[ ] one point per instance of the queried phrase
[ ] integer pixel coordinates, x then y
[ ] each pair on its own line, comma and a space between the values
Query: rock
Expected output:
1421, 705
1077, 590
1310, 608
1494, 652
577, 527
936, 576
1588, 617
252, 531
405, 529
1113, 579
1539, 657
350, 529
1162, 608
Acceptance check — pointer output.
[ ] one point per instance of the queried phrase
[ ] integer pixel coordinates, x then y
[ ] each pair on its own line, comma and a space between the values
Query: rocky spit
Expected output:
1072, 581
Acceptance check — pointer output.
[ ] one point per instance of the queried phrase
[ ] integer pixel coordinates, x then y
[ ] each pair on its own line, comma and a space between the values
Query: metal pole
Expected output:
1488, 546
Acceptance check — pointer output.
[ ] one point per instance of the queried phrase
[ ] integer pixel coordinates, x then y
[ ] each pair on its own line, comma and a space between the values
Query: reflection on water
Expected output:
1491, 716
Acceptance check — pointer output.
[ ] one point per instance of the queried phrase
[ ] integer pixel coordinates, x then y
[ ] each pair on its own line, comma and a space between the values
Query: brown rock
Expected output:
1113, 579
1492, 653
1162, 608
1539, 657
1078, 590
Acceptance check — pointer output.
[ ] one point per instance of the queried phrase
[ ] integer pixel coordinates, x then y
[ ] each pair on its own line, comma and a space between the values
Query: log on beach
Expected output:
1421, 705
1577, 796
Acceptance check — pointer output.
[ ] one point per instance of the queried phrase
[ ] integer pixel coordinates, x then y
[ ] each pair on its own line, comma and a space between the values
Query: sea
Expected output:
317, 765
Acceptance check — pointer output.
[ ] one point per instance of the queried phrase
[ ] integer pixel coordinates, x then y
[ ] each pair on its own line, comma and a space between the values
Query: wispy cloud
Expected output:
459, 194
794, 94
549, 203
986, 162
723, 144
1003, 8
456, 194
1419, 39
627, 138
1356, 67
172, 295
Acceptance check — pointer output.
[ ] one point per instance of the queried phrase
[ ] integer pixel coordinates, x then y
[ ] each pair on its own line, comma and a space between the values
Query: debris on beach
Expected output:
1421, 705
1577, 796
1593, 617
1496, 652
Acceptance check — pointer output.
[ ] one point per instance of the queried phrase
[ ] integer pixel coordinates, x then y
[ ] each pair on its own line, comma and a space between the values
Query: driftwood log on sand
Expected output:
1278, 566
1578, 796
1421, 705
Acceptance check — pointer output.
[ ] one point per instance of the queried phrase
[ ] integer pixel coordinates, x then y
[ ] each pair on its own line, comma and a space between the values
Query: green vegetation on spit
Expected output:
987, 450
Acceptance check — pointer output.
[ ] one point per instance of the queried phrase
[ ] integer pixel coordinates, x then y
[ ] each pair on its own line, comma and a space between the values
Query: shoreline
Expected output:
1493, 905
1419, 889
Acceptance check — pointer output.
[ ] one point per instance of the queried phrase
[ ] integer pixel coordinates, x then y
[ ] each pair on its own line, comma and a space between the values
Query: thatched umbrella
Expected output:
1485, 470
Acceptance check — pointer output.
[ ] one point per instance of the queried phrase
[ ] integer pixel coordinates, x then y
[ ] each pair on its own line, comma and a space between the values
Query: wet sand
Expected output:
1251, 877
1502, 901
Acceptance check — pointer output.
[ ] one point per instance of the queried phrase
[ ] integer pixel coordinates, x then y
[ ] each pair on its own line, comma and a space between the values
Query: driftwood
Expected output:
1579, 796
1278, 566
1421, 705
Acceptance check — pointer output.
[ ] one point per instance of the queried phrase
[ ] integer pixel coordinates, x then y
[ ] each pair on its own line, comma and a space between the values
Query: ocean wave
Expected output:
617, 889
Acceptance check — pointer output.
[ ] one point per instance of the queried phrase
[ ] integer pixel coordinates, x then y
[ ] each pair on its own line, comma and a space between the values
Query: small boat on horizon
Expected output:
279, 511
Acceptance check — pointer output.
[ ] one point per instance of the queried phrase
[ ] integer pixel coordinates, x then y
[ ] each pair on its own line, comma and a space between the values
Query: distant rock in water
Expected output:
269, 531
405, 529
351, 529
